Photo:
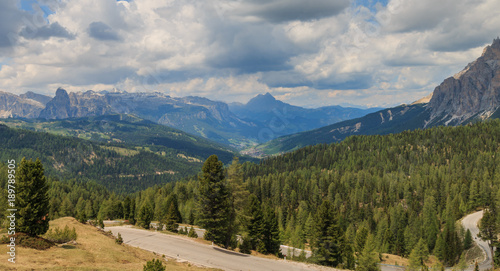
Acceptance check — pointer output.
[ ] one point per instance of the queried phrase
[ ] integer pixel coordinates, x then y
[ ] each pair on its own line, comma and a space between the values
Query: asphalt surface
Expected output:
185, 249
470, 222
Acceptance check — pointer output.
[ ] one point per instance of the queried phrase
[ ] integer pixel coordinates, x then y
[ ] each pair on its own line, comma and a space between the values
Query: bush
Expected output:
25, 240
192, 233
61, 236
119, 239
245, 245
101, 223
154, 265
183, 231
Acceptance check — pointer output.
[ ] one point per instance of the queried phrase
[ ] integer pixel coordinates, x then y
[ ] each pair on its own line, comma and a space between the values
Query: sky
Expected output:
313, 53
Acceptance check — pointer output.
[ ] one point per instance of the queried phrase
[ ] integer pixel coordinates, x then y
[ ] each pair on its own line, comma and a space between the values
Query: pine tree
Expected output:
467, 239
32, 200
132, 216
418, 255
368, 259
440, 247
145, 216
154, 265
171, 219
255, 223
271, 233
192, 233
309, 227
216, 213
126, 208
360, 240
172, 199
431, 224
238, 188
328, 239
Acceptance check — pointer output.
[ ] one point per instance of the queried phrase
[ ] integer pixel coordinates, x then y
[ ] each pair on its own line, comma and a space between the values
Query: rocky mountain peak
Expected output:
473, 92
59, 107
263, 102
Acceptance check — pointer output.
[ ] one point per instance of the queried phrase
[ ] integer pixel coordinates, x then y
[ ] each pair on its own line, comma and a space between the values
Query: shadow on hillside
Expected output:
68, 246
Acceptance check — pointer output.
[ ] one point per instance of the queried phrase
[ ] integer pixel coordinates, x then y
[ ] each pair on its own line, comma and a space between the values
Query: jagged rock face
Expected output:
13, 106
43, 99
474, 92
59, 107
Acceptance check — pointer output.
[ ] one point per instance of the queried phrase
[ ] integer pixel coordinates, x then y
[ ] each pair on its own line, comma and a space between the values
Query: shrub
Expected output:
25, 240
119, 239
192, 233
154, 265
61, 236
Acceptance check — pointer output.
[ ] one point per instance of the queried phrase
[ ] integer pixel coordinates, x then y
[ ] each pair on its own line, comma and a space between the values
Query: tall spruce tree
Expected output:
32, 201
215, 209
418, 255
271, 234
239, 191
255, 223
368, 259
172, 199
145, 216
328, 239
171, 218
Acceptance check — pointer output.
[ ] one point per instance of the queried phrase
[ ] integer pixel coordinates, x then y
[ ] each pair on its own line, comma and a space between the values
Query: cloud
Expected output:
279, 11
47, 31
10, 23
102, 31
364, 52
250, 48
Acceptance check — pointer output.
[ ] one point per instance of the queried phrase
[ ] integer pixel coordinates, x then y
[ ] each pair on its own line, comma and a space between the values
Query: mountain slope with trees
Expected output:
122, 168
133, 131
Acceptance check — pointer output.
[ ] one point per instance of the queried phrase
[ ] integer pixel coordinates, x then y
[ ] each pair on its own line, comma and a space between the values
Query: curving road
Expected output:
470, 222
186, 249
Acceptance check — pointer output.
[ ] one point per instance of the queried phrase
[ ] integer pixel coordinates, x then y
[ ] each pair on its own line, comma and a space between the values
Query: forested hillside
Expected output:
131, 130
396, 189
400, 194
121, 168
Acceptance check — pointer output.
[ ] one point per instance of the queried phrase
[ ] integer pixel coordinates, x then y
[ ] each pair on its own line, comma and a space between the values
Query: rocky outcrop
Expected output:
59, 107
472, 93
13, 106
43, 99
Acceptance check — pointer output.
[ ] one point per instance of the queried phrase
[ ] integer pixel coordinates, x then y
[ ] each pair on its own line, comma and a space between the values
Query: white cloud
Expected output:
313, 55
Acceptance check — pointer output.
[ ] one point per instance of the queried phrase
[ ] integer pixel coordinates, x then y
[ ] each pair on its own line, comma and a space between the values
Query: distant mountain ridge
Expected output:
470, 95
281, 118
261, 119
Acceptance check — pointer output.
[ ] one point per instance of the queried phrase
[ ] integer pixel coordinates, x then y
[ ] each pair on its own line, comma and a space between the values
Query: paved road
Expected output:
470, 222
285, 250
189, 250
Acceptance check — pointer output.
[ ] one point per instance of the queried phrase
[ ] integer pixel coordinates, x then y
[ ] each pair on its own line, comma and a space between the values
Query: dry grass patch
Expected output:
394, 260
398, 260
93, 251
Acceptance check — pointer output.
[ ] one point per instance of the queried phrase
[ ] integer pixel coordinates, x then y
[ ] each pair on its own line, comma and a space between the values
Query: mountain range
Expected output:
236, 125
469, 96
278, 118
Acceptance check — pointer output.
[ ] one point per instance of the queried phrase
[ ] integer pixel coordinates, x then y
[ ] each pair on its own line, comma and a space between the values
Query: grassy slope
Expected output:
93, 251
